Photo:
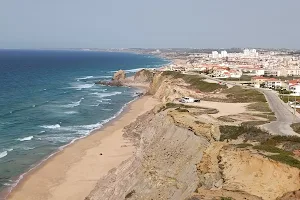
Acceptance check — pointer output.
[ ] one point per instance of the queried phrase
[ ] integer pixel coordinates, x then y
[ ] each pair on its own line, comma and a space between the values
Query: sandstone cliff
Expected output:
164, 166
180, 156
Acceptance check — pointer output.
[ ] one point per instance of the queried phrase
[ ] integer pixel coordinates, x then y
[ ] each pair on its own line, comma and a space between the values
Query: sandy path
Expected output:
73, 173
224, 108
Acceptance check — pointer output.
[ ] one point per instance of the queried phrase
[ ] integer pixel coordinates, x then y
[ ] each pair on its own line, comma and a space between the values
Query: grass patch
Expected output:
243, 145
243, 78
296, 127
249, 132
182, 110
254, 123
226, 198
231, 132
286, 98
260, 106
271, 149
286, 159
242, 95
225, 119
195, 81
268, 116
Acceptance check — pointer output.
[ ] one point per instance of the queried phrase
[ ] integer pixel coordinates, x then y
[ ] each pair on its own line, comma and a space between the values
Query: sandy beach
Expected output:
72, 173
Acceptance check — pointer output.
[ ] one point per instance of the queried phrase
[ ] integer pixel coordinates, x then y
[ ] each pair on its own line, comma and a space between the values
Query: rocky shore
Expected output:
200, 153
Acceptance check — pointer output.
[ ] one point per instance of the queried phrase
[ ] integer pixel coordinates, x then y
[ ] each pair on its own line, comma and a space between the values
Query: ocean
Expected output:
48, 99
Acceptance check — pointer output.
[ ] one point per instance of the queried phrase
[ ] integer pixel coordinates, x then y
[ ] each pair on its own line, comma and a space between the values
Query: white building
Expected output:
224, 54
295, 89
274, 83
260, 72
250, 53
246, 52
215, 54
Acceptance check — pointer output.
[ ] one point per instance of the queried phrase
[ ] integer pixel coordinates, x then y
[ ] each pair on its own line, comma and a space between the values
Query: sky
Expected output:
34, 24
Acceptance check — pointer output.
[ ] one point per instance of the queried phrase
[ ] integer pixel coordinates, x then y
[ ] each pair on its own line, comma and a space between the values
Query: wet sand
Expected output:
72, 173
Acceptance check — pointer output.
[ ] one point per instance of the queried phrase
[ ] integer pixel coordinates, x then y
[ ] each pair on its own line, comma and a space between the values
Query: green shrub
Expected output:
243, 145
195, 81
254, 123
283, 158
296, 127
260, 106
226, 198
239, 94
272, 149
182, 110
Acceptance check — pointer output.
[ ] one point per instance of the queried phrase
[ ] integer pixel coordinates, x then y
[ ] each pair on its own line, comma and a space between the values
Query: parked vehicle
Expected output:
188, 100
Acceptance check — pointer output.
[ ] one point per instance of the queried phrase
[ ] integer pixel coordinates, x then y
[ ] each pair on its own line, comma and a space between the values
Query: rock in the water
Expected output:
119, 76
110, 83
117, 79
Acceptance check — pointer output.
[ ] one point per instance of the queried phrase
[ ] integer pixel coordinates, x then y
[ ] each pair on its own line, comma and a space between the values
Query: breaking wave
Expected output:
25, 138
55, 126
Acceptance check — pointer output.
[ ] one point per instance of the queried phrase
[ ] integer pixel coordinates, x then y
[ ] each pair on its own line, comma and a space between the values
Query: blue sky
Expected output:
149, 23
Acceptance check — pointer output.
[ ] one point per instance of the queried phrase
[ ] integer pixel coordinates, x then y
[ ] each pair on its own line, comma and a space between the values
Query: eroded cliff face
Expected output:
167, 88
232, 170
164, 166
179, 156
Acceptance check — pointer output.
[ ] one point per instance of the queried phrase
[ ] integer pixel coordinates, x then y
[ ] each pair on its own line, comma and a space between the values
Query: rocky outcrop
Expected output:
295, 195
227, 168
167, 88
256, 174
119, 76
117, 80
144, 76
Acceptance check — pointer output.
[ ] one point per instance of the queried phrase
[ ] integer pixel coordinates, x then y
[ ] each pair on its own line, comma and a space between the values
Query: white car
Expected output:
188, 100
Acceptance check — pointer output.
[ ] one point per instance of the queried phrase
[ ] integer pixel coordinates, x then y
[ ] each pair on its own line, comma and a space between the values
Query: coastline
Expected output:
79, 165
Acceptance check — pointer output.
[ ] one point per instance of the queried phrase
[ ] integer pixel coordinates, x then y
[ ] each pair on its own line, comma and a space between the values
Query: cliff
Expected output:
168, 86
164, 166
184, 152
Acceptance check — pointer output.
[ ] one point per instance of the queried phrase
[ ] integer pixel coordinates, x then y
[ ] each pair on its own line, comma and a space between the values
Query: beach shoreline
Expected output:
79, 165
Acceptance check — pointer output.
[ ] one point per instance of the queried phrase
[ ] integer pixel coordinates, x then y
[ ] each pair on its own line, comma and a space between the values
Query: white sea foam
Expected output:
134, 70
73, 104
70, 112
25, 138
86, 77
93, 77
95, 105
107, 109
55, 126
80, 86
27, 148
98, 125
3, 154
108, 94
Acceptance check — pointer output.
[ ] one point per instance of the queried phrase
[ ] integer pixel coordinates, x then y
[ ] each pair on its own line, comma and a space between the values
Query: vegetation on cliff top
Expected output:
195, 81
296, 127
280, 147
238, 94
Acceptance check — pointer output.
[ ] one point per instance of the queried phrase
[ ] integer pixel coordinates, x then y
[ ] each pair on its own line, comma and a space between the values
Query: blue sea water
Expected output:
48, 99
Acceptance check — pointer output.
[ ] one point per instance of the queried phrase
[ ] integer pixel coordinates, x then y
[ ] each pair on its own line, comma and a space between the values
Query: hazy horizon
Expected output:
118, 24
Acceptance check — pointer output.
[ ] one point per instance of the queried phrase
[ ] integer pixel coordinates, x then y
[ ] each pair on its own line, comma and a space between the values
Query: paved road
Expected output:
284, 115
283, 112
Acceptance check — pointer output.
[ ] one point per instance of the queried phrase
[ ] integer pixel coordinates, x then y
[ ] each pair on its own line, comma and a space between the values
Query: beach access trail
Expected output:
72, 173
